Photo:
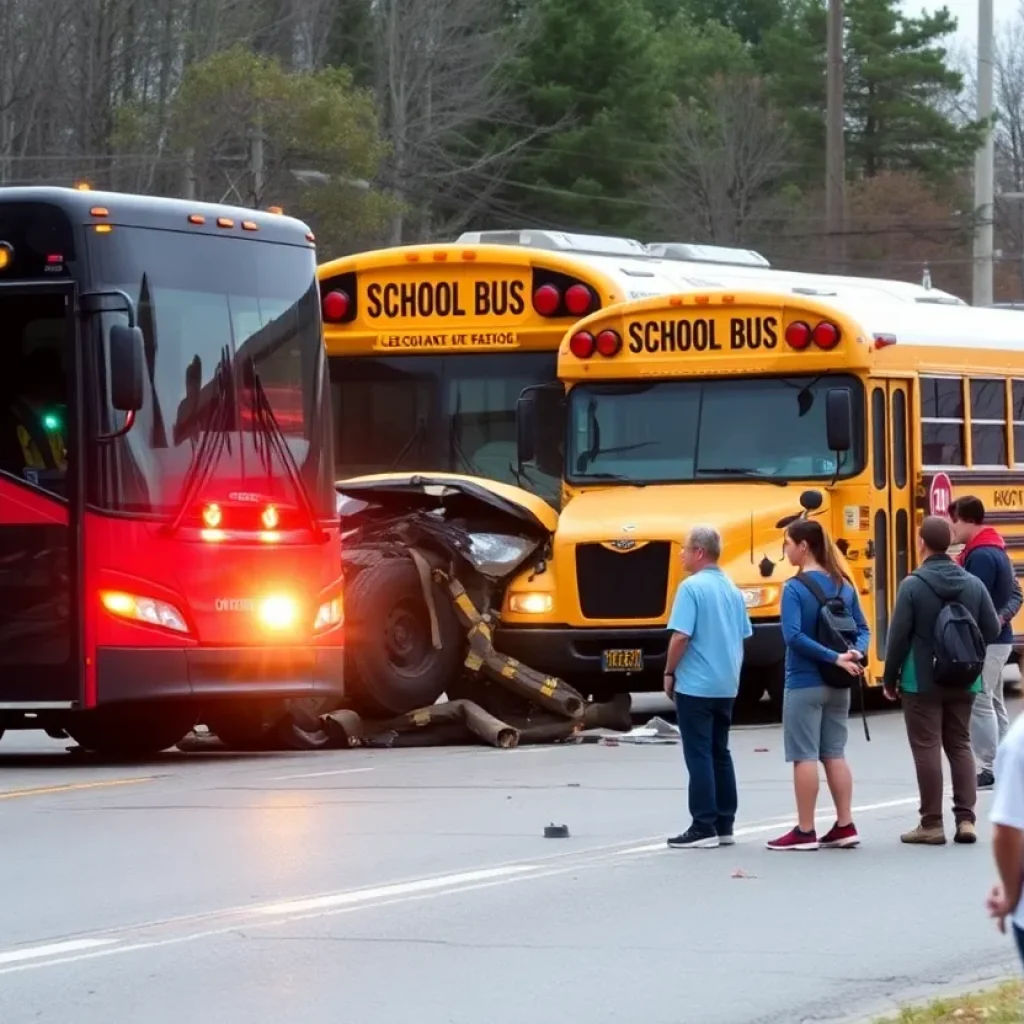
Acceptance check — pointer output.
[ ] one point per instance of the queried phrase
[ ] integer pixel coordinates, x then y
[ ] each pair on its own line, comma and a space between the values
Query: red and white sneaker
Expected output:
841, 837
795, 840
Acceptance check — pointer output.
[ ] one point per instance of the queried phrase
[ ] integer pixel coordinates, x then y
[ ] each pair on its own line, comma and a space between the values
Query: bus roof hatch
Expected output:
691, 253
561, 241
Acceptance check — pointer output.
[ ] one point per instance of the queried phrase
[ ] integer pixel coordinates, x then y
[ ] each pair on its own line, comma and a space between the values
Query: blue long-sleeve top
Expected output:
800, 628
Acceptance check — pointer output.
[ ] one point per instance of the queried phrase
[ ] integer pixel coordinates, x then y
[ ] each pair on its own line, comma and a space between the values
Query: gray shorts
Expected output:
814, 723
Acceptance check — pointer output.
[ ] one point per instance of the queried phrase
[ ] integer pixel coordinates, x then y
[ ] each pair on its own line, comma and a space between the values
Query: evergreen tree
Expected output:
594, 80
897, 75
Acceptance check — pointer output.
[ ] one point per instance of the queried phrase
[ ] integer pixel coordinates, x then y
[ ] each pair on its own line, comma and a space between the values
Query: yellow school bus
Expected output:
430, 346
740, 410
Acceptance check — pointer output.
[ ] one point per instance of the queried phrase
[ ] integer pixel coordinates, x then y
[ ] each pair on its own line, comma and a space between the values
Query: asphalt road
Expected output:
382, 886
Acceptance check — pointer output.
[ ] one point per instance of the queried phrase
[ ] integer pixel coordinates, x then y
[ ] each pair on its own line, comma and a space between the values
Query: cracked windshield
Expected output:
481, 481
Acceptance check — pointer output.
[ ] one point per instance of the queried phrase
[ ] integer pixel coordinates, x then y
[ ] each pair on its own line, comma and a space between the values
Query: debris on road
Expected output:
425, 561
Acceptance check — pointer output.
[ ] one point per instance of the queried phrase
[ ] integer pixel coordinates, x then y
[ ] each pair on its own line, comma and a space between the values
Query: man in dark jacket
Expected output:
984, 555
937, 717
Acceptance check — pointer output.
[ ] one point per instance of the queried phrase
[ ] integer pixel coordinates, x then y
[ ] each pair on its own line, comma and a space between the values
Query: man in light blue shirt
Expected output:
709, 623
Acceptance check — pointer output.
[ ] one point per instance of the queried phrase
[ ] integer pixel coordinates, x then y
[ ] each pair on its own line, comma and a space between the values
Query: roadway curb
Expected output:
922, 995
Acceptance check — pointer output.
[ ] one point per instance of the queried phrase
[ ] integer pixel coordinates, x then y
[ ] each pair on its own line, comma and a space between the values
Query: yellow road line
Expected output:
14, 794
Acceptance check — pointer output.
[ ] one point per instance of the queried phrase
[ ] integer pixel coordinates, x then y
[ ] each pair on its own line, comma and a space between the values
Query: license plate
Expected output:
628, 660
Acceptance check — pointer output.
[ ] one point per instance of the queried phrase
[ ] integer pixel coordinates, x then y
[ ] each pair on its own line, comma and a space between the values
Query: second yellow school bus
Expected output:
430, 346
740, 410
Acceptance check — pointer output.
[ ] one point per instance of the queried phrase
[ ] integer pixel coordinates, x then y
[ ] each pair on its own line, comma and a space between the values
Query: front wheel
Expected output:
130, 734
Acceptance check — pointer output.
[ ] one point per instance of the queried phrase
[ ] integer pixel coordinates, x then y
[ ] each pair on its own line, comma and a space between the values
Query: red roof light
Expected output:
546, 300
336, 305
826, 335
609, 343
798, 335
582, 344
579, 299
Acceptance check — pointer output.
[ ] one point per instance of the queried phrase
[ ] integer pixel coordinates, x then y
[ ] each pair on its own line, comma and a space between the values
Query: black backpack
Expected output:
959, 645
837, 631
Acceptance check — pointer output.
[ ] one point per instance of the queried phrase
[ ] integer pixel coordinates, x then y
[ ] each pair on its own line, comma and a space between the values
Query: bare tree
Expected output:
442, 94
1009, 143
723, 158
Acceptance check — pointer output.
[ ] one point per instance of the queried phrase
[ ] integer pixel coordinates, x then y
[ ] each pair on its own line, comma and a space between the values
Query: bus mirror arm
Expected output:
90, 302
113, 435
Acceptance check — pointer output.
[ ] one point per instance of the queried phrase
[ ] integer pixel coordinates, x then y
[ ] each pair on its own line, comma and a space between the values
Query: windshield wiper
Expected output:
756, 474
213, 442
263, 417
455, 445
415, 438
612, 476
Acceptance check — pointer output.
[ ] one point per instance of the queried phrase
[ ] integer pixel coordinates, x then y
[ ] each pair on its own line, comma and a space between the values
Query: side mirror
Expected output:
125, 345
839, 419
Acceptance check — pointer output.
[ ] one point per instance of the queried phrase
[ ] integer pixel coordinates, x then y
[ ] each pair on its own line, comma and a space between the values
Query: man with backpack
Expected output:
935, 652
984, 555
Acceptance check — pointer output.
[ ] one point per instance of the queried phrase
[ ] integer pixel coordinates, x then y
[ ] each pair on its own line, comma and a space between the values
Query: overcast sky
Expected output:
966, 14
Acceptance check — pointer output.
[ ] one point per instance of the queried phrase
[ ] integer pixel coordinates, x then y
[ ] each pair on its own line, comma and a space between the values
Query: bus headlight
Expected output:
498, 554
531, 602
143, 609
759, 597
278, 612
329, 614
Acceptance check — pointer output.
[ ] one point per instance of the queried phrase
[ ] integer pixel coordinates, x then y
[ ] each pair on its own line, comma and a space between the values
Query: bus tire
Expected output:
130, 734
394, 666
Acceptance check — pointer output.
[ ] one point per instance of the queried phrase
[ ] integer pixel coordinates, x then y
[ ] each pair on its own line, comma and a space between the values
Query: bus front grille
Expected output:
623, 584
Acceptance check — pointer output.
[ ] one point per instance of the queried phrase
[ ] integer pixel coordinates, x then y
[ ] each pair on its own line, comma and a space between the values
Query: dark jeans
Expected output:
940, 720
704, 726
1018, 934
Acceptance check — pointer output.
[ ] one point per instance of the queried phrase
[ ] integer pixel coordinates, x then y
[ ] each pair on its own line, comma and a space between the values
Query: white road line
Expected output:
229, 921
383, 892
15, 956
320, 775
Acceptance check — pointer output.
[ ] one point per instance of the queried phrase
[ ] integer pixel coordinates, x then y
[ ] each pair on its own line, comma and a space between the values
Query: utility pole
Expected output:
984, 162
835, 157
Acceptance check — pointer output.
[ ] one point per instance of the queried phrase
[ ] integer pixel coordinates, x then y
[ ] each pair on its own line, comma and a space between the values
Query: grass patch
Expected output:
1002, 1005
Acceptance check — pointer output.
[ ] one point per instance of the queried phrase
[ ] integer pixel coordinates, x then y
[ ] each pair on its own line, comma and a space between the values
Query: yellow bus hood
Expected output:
745, 514
532, 512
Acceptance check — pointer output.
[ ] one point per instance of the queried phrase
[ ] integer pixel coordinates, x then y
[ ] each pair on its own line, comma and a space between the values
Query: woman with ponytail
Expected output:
815, 714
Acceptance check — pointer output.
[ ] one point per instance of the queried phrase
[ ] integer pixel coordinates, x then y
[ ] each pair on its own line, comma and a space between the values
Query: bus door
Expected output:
39, 666
893, 478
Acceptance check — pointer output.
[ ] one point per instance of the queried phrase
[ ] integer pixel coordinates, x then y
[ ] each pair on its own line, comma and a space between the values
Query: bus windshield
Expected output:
680, 431
446, 413
208, 305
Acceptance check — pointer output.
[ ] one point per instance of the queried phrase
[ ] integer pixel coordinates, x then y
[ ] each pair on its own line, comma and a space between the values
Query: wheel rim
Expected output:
407, 638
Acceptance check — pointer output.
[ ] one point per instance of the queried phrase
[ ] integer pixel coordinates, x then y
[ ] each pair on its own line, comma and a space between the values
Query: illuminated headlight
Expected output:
759, 597
143, 609
278, 612
329, 614
497, 554
531, 602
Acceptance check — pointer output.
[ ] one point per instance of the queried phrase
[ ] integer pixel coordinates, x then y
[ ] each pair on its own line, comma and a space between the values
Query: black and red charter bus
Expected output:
169, 543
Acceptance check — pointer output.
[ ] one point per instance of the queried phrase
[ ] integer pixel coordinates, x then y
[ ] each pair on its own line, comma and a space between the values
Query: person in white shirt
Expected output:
1007, 817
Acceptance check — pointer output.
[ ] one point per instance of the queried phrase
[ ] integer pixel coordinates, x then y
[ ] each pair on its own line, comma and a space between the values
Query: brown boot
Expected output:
925, 835
965, 832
